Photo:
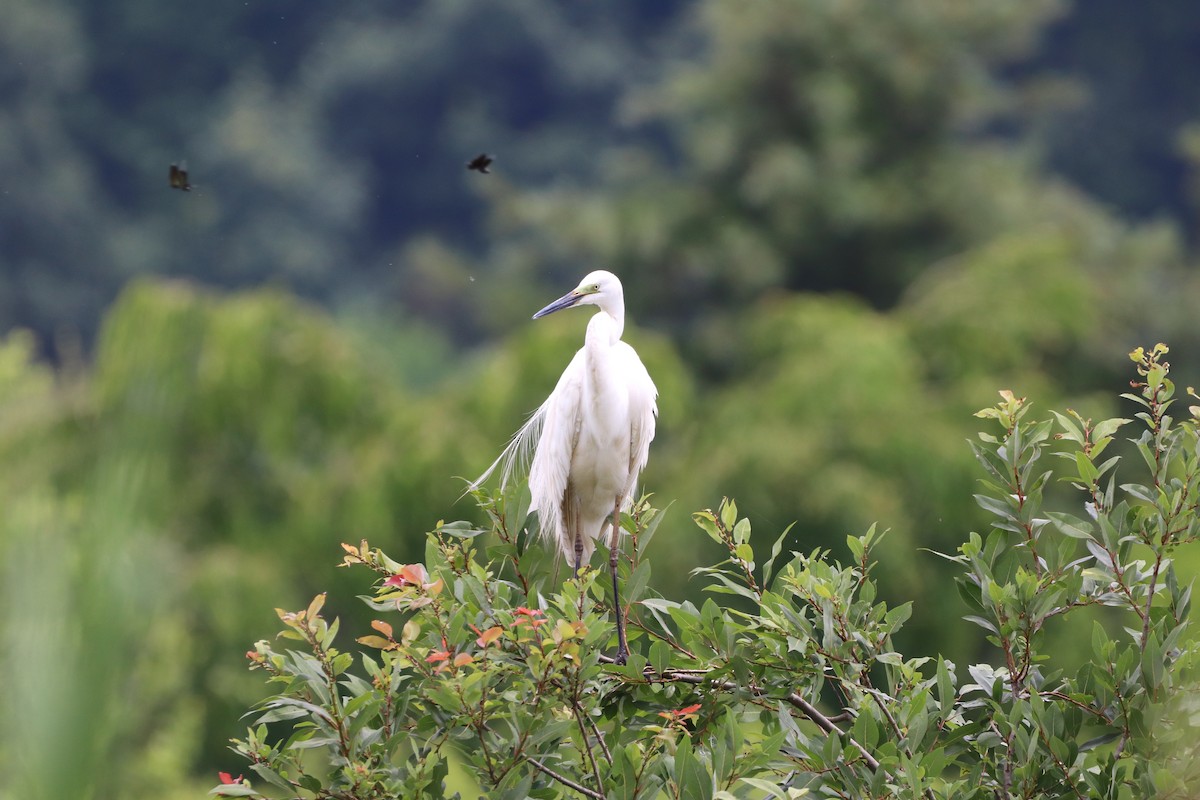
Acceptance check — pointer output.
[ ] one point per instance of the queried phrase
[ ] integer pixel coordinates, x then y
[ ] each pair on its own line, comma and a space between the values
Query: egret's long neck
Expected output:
603, 391
606, 326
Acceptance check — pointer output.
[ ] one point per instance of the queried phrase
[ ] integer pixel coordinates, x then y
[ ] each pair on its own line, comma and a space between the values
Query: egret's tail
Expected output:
517, 453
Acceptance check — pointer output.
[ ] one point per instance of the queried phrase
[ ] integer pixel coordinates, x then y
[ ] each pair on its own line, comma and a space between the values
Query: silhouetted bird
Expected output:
480, 163
179, 178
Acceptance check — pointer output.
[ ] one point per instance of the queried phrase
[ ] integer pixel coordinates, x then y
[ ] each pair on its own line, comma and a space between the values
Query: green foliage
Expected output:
90, 651
794, 687
1048, 305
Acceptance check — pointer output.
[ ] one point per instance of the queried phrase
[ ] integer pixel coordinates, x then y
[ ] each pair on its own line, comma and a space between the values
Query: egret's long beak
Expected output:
566, 301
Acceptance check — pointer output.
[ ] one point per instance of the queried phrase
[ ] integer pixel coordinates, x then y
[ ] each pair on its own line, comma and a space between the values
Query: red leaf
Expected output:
226, 778
490, 635
409, 575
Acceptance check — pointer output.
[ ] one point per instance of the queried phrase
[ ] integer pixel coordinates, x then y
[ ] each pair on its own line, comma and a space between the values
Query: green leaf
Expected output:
898, 616
691, 777
946, 694
234, 790
1071, 431
856, 547
770, 789
727, 585
314, 742
660, 657
281, 713
270, 776
769, 567
741, 533
635, 585
1092, 744
1088, 473
1152, 663
729, 514
647, 534
708, 523
1070, 525
1000, 508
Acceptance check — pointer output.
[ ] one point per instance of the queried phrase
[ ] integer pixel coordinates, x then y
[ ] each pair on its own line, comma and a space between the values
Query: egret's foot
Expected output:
621, 657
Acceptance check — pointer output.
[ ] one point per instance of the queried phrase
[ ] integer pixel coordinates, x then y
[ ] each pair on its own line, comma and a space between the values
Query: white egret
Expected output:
591, 438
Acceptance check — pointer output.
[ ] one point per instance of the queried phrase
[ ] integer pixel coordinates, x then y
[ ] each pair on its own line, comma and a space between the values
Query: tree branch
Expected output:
599, 735
586, 743
565, 781
824, 723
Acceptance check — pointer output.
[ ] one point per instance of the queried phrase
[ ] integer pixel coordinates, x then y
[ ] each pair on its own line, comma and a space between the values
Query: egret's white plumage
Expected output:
591, 438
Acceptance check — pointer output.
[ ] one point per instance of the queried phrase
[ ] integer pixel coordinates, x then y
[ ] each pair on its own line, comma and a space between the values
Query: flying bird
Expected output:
480, 163
591, 438
178, 177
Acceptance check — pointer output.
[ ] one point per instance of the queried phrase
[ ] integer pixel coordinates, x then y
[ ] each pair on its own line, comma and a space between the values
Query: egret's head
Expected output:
599, 288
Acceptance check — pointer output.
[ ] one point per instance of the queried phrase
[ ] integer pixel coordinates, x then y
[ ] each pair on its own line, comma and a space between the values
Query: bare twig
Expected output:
599, 738
824, 723
565, 781
587, 743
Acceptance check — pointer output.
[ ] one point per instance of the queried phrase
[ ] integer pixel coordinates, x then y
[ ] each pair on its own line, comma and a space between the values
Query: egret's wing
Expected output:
551, 467
643, 410
551, 416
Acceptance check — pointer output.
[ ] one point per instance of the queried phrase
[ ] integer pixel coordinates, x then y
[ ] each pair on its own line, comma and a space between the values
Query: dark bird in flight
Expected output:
178, 177
480, 163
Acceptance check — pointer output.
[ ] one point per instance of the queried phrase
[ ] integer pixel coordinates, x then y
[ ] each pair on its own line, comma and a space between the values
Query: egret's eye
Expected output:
595, 287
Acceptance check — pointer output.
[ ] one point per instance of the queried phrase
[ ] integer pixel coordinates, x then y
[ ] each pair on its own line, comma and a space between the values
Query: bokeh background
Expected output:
842, 226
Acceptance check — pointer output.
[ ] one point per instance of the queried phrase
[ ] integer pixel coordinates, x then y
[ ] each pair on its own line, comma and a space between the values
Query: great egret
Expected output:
591, 438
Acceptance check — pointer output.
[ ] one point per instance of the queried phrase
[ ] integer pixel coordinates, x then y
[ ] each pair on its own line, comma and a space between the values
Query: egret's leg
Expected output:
614, 553
578, 554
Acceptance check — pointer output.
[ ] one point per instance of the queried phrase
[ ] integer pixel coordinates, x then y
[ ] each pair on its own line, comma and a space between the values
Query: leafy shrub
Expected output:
484, 654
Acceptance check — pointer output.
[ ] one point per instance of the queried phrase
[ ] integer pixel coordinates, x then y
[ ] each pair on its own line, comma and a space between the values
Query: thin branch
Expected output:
587, 744
600, 738
1061, 766
1081, 706
794, 699
631, 620
824, 723
1007, 769
564, 780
